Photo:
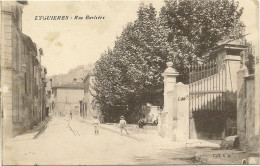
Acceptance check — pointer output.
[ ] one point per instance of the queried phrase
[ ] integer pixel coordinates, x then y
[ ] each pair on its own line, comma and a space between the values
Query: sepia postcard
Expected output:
129, 82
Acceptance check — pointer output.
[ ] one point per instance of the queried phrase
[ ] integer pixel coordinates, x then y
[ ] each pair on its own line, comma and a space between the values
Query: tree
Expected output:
130, 73
249, 57
194, 27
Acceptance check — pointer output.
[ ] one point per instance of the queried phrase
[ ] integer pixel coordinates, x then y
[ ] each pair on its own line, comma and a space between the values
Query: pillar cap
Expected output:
170, 71
230, 45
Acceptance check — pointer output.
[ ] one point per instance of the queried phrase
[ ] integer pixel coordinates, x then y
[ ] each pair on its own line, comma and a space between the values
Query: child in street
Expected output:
122, 124
96, 122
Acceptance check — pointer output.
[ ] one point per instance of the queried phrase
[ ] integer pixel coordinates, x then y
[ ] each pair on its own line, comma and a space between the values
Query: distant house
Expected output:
67, 98
89, 107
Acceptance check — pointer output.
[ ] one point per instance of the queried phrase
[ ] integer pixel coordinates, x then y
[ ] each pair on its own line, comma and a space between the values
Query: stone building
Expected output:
67, 98
49, 97
21, 78
89, 107
43, 93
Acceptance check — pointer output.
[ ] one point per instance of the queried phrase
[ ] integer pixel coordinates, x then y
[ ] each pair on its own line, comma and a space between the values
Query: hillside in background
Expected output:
78, 72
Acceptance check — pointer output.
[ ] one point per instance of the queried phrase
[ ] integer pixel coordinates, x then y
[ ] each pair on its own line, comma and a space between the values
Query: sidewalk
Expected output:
203, 151
156, 137
114, 128
33, 133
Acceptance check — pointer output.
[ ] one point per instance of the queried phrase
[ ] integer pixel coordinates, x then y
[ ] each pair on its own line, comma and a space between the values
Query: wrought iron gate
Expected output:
207, 97
207, 84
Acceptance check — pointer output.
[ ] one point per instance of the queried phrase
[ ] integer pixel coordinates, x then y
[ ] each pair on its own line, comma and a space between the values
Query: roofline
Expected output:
229, 46
23, 2
28, 41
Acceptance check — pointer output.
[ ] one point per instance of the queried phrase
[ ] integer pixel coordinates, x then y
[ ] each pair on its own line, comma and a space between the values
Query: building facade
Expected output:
49, 97
89, 107
67, 98
43, 93
22, 80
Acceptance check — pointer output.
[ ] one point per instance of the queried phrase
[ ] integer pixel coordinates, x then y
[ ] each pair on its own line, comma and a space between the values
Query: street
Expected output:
73, 142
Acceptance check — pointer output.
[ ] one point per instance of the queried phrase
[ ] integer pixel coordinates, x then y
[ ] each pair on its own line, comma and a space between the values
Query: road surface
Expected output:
73, 142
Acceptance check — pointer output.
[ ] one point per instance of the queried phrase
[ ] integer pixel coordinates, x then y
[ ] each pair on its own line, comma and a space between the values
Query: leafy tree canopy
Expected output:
130, 73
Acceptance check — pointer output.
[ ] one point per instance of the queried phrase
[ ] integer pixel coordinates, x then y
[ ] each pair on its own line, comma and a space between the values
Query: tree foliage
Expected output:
249, 57
130, 74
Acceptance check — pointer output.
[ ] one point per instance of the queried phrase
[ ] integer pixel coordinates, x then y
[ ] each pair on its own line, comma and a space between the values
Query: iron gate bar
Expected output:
201, 74
215, 86
210, 84
224, 98
205, 92
213, 69
222, 87
218, 87
207, 83
195, 84
206, 86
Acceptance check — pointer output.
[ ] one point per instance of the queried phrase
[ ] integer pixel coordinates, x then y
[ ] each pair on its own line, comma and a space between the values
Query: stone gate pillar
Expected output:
173, 121
169, 88
169, 84
229, 54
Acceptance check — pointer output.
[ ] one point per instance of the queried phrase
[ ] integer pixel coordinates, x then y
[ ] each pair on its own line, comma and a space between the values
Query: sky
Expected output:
69, 43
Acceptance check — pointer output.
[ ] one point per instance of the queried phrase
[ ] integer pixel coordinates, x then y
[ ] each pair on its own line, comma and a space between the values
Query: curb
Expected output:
42, 130
115, 131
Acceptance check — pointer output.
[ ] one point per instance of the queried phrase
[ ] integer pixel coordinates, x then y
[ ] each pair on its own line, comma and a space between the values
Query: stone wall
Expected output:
10, 13
246, 112
251, 138
241, 107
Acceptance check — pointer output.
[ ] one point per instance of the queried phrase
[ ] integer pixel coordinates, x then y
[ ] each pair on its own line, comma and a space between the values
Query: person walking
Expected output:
122, 125
101, 118
141, 123
96, 123
70, 115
